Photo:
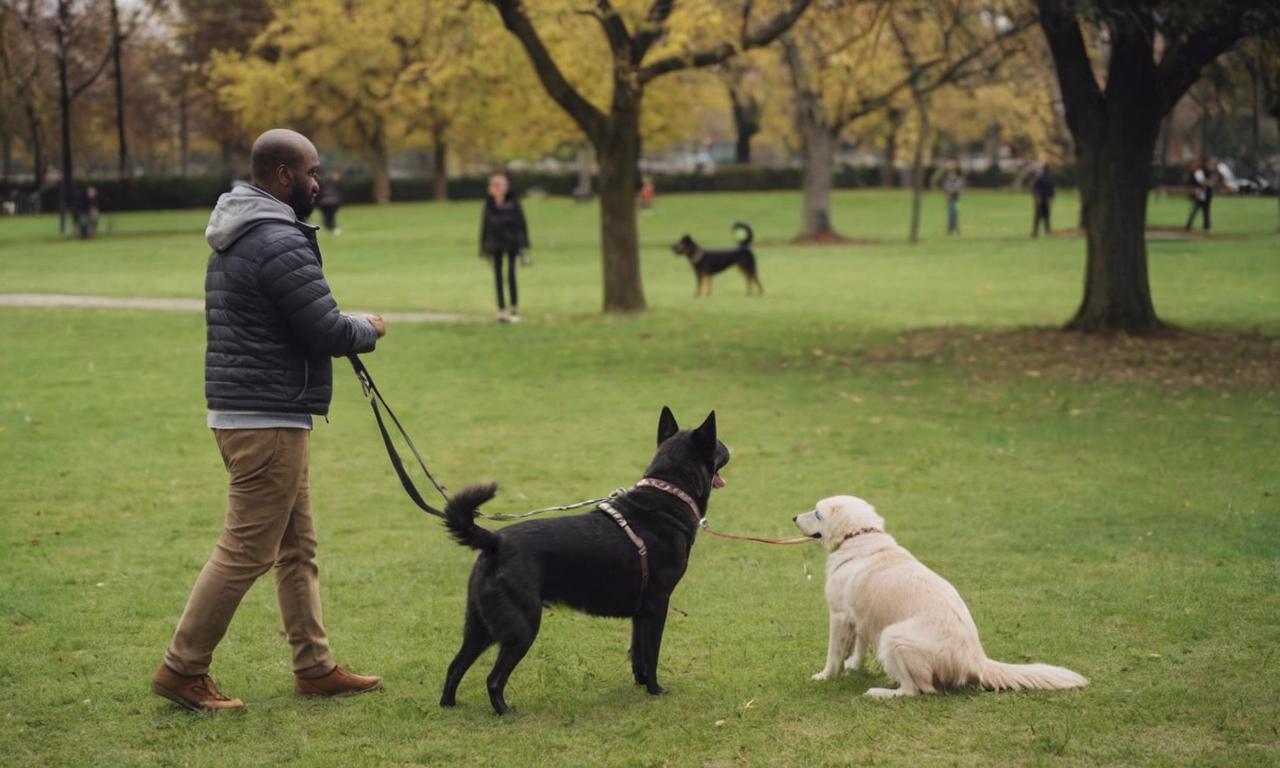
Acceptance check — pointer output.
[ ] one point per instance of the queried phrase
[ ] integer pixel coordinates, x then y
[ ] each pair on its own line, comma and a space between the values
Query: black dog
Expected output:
590, 562
708, 263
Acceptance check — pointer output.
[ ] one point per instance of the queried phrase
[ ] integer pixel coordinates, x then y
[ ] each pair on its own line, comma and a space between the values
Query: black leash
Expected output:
374, 396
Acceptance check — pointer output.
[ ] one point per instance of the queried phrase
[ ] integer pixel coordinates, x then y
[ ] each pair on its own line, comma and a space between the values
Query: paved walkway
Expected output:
55, 300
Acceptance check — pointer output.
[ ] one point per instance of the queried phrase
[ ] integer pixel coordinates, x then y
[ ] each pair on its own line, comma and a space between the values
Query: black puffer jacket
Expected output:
272, 326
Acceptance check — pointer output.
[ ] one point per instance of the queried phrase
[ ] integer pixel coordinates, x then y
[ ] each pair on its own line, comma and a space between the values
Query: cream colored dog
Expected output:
884, 601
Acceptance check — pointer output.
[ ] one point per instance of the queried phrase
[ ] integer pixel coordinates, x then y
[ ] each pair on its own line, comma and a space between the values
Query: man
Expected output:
1042, 190
952, 185
1203, 182
272, 327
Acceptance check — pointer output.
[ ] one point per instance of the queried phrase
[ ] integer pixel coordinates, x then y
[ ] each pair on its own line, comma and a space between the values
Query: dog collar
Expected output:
663, 485
859, 532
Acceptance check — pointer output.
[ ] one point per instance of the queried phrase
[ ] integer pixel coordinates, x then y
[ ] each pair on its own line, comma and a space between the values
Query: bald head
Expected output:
277, 147
286, 165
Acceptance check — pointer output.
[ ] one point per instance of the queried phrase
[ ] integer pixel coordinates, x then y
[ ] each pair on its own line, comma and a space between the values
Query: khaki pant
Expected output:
268, 523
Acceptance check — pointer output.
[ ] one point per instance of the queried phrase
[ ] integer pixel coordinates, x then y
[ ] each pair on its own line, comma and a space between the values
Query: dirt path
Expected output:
73, 301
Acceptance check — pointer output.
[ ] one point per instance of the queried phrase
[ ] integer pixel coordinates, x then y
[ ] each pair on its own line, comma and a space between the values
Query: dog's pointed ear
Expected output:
704, 437
667, 425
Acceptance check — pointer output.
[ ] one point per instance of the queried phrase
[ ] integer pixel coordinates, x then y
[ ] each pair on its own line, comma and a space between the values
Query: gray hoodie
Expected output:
240, 209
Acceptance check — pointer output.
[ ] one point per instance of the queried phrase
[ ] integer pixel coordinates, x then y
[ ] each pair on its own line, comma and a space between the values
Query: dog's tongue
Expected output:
717, 481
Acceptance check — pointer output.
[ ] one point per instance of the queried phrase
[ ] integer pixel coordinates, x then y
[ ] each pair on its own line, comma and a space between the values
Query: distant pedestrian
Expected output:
1042, 191
1202, 183
329, 200
952, 184
85, 212
646, 192
504, 236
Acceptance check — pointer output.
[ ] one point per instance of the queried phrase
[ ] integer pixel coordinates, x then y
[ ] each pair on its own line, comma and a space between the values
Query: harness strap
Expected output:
663, 485
608, 509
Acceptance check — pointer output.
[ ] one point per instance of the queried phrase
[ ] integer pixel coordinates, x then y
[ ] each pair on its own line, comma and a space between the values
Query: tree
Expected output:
642, 45
742, 78
69, 40
844, 67
120, 33
941, 30
203, 28
370, 79
1155, 52
22, 60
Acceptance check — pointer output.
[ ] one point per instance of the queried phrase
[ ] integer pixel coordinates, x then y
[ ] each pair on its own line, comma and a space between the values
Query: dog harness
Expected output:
608, 509
663, 485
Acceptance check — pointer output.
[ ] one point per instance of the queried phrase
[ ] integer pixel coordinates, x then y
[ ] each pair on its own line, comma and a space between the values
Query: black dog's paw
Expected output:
657, 690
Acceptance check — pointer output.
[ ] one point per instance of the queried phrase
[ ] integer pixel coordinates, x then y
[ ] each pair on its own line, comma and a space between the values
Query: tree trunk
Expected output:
1115, 177
746, 124
39, 164
117, 41
889, 171
583, 161
1255, 81
819, 158
184, 128
440, 171
917, 167
380, 166
64, 103
818, 145
618, 156
992, 145
7, 151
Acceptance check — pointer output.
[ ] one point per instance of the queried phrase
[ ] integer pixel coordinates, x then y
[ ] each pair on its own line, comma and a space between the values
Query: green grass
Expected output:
1129, 530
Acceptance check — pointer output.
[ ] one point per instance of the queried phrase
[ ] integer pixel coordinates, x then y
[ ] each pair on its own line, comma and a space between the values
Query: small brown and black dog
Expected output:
708, 263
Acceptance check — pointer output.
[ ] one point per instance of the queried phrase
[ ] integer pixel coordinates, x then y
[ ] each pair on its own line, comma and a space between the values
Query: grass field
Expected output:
1105, 505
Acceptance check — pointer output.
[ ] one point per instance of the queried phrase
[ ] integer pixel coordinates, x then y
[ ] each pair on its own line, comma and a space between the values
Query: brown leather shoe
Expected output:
339, 682
195, 693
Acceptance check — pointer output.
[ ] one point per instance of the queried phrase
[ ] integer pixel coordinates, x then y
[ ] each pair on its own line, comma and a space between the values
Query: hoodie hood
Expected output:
241, 209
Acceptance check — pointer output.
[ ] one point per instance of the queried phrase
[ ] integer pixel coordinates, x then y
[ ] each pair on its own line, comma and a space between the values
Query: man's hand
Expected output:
379, 324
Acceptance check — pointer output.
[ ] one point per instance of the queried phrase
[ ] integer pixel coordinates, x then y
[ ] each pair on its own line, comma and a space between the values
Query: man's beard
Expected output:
300, 201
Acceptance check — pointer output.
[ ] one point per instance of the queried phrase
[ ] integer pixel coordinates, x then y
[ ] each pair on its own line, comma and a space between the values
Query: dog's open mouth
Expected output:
815, 535
717, 481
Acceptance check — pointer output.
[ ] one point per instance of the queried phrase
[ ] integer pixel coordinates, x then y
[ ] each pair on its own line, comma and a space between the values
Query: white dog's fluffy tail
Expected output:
998, 676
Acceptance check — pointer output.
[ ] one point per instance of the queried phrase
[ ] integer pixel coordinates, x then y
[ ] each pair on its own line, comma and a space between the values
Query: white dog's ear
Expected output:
837, 525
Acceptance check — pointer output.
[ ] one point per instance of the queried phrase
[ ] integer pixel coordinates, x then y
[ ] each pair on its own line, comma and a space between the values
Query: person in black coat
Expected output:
504, 236
1042, 190
329, 200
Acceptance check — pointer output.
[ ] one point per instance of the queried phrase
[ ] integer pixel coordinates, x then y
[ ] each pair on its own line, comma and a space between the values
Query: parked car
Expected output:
1242, 185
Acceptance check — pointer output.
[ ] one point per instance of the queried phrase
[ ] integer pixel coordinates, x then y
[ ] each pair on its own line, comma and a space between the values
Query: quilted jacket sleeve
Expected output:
293, 280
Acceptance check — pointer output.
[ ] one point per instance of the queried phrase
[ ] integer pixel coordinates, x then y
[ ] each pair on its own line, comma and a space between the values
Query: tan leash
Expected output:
757, 539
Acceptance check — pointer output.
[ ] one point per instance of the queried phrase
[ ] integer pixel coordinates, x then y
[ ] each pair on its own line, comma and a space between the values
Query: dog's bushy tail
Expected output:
460, 517
743, 232
998, 676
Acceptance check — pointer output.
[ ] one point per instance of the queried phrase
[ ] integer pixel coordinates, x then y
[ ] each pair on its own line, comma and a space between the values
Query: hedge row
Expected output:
167, 192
